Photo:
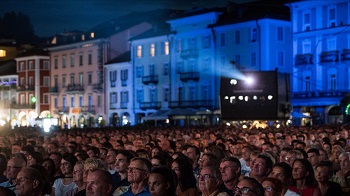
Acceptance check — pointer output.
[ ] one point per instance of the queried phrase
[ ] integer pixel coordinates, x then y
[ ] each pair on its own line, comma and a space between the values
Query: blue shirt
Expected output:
144, 192
8, 184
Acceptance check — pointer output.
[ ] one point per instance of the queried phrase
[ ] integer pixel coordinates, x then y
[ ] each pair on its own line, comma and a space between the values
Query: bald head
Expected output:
29, 182
14, 165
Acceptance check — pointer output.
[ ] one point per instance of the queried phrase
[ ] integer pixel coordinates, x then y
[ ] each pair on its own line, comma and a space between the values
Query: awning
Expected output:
165, 114
159, 115
299, 115
321, 101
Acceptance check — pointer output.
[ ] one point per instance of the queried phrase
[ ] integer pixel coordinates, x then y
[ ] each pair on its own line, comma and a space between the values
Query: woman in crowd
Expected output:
182, 166
272, 186
78, 179
62, 185
208, 159
49, 165
324, 172
162, 181
304, 182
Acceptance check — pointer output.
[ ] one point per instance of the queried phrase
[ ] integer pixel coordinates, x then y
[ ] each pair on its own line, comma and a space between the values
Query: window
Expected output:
333, 82
55, 100
124, 97
166, 48
80, 59
253, 59
307, 84
46, 65
21, 66
72, 79
152, 50
166, 69
280, 34
166, 94
307, 21
72, 102
238, 60
55, 62
89, 101
46, 98
22, 81
206, 64
2, 53
46, 81
306, 47
31, 65
206, 41
89, 59
178, 45
192, 92
332, 17
223, 39
113, 97
81, 78
99, 100
139, 51
192, 43
64, 103
124, 76
113, 78
205, 92
31, 81
331, 44
280, 58
81, 101
72, 60
253, 35
179, 66
237, 37
139, 71
139, 95
152, 69
63, 61
63, 81
153, 95
55, 81
89, 78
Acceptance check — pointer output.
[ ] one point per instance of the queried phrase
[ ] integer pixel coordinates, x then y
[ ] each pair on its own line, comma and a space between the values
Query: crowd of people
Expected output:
182, 161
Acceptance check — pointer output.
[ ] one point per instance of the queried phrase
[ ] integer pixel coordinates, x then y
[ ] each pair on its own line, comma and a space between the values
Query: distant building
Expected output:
8, 94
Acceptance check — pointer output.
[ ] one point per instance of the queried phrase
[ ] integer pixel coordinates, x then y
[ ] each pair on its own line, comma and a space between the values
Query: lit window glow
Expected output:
2, 53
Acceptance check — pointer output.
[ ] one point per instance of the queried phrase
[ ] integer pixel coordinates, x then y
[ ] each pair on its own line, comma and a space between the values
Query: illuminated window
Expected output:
72, 60
139, 51
307, 21
92, 35
332, 16
152, 50
166, 48
2, 53
82, 37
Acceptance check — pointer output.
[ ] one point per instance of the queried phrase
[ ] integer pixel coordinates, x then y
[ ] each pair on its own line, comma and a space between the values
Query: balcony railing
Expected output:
22, 106
187, 76
189, 53
25, 88
61, 110
113, 106
88, 109
97, 87
320, 94
345, 56
150, 105
123, 105
54, 89
331, 56
303, 59
75, 88
150, 79
191, 104
8, 87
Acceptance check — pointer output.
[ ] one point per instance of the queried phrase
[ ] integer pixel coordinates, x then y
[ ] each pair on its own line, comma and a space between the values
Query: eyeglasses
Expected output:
20, 180
13, 167
65, 164
225, 168
243, 190
269, 189
135, 169
205, 177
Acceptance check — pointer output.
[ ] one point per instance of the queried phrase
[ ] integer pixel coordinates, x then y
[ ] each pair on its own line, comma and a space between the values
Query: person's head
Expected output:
52, 147
34, 158
99, 183
93, 152
14, 165
313, 156
323, 155
49, 165
67, 163
56, 157
209, 179
272, 186
324, 171
262, 166
236, 149
246, 150
302, 170
193, 153
91, 164
138, 170
182, 166
208, 159
230, 168
122, 161
111, 155
15, 148
344, 160
283, 172
249, 186
292, 155
29, 182
162, 181
78, 172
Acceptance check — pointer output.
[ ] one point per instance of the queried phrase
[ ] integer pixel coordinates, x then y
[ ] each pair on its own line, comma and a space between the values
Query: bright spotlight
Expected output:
269, 97
246, 98
255, 97
249, 80
233, 82
240, 97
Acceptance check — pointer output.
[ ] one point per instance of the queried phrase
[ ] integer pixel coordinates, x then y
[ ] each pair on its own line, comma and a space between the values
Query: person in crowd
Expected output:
323, 173
50, 167
208, 159
110, 160
245, 160
122, 162
303, 181
3, 164
47, 186
262, 167
323, 155
62, 185
343, 175
249, 186
34, 158
99, 183
193, 152
29, 182
292, 155
209, 181
283, 172
283, 153
78, 179
313, 156
162, 181
230, 169
272, 186
186, 180
56, 157
14, 165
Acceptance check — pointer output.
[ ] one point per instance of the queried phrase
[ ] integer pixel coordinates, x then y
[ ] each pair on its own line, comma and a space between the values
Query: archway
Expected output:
126, 118
81, 122
335, 115
73, 122
115, 120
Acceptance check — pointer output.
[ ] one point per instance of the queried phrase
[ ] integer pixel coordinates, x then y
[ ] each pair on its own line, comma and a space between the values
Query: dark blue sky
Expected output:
55, 16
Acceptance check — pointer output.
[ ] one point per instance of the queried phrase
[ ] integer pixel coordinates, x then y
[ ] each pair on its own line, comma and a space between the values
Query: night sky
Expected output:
55, 16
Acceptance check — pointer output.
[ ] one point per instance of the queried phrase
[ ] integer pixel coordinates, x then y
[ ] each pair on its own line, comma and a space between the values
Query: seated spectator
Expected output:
29, 182
272, 186
324, 172
186, 180
343, 175
209, 181
208, 159
162, 181
249, 185
230, 169
14, 165
283, 172
99, 183
62, 185
262, 167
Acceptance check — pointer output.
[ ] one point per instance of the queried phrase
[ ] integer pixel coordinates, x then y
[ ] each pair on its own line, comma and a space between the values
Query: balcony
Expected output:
150, 79
191, 104
88, 109
75, 88
97, 88
150, 105
8, 87
329, 57
54, 90
22, 106
123, 105
189, 76
303, 59
320, 94
25, 88
191, 53
61, 110
345, 56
